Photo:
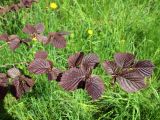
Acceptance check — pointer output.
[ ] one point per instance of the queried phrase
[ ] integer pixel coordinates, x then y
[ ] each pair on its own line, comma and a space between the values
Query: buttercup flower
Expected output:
90, 32
34, 39
53, 5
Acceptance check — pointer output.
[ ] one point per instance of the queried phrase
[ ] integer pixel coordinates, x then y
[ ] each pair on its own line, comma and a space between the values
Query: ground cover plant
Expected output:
17, 6
90, 33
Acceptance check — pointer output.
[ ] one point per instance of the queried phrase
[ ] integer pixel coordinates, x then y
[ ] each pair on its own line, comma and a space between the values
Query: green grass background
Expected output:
118, 25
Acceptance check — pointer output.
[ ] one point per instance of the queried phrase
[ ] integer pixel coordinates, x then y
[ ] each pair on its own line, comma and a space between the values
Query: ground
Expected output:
118, 26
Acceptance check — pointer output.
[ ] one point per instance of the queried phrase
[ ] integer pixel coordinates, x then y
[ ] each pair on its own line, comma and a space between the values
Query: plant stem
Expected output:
3, 45
5, 65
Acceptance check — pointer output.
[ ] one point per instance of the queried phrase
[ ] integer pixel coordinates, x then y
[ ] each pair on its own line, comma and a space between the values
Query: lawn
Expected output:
118, 26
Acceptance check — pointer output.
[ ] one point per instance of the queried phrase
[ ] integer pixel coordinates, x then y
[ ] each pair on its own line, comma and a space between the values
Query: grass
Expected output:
119, 26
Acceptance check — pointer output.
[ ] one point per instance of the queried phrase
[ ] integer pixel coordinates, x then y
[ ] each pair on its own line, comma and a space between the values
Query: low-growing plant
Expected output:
128, 72
56, 39
41, 65
15, 82
14, 41
17, 6
35, 32
80, 75
125, 70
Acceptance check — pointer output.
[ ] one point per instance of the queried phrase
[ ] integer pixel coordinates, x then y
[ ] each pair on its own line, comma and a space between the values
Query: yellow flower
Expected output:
53, 5
34, 39
90, 32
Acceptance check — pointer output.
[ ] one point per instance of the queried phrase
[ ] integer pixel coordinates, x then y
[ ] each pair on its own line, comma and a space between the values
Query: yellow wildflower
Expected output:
53, 5
34, 39
90, 32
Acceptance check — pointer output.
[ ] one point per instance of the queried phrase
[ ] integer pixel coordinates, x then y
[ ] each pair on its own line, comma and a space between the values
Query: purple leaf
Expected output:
110, 67
42, 38
14, 42
94, 87
21, 85
90, 61
4, 37
41, 54
39, 66
57, 40
27, 3
52, 75
3, 85
13, 72
29, 29
145, 68
39, 28
131, 81
28, 83
75, 60
124, 60
16, 88
71, 78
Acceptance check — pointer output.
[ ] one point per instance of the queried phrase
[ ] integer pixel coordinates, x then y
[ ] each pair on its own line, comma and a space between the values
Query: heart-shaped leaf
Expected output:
13, 72
41, 54
39, 28
110, 67
29, 29
90, 61
14, 42
16, 88
124, 60
75, 60
21, 85
94, 87
39, 66
71, 78
145, 68
57, 40
131, 81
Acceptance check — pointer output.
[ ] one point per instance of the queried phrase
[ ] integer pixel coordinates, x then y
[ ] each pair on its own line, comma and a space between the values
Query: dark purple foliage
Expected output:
128, 72
41, 65
75, 60
20, 83
89, 61
27, 3
57, 39
79, 75
3, 85
13, 41
41, 54
16, 7
35, 31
